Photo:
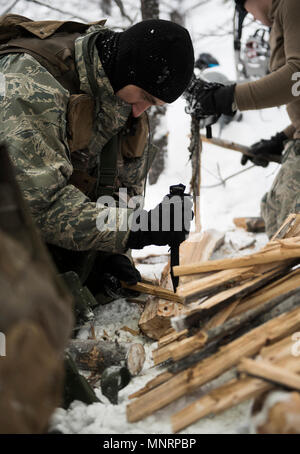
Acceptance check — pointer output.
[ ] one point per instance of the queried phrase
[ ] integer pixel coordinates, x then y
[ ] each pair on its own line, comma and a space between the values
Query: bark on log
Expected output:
95, 355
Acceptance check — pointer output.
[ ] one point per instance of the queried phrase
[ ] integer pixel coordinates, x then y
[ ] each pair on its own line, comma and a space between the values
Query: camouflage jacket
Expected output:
34, 125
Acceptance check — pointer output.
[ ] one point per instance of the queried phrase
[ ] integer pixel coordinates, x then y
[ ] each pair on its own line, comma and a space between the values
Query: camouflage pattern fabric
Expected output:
284, 195
33, 123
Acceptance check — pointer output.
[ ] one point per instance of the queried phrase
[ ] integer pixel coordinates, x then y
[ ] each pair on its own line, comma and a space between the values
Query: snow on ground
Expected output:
239, 197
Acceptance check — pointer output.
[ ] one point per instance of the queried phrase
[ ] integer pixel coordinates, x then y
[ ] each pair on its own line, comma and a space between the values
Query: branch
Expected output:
58, 10
10, 8
122, 10
228, 178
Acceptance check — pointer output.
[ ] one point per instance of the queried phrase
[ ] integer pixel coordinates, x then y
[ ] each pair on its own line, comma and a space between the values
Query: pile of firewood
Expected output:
238, 313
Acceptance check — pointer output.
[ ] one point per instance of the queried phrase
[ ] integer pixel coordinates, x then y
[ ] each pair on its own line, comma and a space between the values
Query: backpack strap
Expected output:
56, 55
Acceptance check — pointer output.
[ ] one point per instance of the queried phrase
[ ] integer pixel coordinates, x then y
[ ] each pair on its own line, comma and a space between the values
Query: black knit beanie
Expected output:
156, 55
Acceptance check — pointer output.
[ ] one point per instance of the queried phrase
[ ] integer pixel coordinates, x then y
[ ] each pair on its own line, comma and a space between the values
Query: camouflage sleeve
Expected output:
33, 123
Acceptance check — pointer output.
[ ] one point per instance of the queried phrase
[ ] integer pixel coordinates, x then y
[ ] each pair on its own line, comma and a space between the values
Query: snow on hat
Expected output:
155, 55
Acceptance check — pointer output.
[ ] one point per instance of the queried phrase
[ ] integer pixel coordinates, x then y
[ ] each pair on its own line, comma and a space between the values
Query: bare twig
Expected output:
223, 181
122, 10
10, 7
58, 10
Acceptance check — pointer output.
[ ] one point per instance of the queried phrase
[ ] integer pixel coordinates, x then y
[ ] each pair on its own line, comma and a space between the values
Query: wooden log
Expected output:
274, 251
226, 358
96, 355
270, 373
238, 147
252, 224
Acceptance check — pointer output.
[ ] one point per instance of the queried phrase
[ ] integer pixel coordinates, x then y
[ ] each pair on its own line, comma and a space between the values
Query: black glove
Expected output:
210, 98
273, 146
121, 267
163, 225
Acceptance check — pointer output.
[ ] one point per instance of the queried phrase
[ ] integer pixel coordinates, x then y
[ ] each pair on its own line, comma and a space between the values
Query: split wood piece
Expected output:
226, 396
238, 147
153, 290
273, 308
254, 224
270, 373
236, 390
198, 248
204, 310
180, 349
290, 228
280, 287
95, 355
221, 317
227, 357
274, 251
155, 321
213, 283
154, 383
172, 337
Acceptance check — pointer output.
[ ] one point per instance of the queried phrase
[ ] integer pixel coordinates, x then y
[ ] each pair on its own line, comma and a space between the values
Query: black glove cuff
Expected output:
224, 99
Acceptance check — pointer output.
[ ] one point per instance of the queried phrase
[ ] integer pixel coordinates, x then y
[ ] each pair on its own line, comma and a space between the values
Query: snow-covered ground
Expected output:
239, 197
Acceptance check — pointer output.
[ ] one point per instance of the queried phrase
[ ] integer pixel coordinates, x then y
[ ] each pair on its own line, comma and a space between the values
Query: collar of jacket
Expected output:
272, 12
111, 112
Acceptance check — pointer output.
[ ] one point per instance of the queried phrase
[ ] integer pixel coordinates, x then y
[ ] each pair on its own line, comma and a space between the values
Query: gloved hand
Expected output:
121, 267
163, 225
273, 146
211, 98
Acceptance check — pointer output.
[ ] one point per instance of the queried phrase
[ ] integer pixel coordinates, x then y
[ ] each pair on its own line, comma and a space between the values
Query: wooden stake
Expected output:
238, 147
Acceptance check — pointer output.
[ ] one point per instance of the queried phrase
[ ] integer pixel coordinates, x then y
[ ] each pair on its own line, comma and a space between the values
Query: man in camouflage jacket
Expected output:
34, 124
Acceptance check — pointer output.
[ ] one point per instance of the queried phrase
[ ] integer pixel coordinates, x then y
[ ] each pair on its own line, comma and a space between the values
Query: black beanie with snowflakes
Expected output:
155, 55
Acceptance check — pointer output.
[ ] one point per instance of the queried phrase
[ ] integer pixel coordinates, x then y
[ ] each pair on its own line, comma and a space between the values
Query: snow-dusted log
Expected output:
97, 355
